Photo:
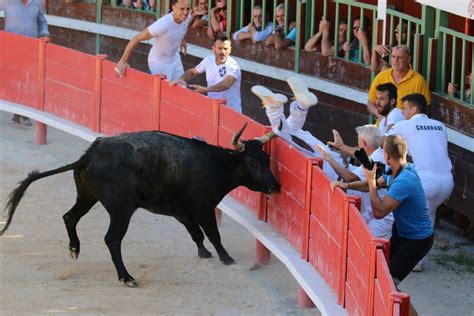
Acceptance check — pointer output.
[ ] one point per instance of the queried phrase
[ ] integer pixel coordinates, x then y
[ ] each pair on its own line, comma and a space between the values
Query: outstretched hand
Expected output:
120, 68
323, 152
198, 88
338, 142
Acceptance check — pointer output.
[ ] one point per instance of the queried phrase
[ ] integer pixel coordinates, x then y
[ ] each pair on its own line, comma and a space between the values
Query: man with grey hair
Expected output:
368, 138
257, 30
24, 17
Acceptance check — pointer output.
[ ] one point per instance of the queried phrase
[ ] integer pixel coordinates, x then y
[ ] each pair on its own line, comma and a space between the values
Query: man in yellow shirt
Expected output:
402, 76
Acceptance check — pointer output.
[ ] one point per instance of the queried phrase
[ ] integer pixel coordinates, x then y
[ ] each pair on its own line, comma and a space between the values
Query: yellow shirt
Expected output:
413, 82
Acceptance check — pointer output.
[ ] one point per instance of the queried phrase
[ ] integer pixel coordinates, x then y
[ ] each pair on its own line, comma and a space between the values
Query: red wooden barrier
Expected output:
325, 226
285, 211
19, 68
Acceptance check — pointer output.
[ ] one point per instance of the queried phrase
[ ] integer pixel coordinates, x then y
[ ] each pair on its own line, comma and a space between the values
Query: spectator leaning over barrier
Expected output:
278, 38
402, 76
368, 138
290, 128
380, 53
361, 34
386, 100
24, 17
412, 234
323, 35
168, 33
428, 146
255, 31
222, 74
199, 17
218, 20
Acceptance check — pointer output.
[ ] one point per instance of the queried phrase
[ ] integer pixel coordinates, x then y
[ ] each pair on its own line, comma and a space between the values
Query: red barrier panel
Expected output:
127, 102
360, 269
286, 211
69, 84
19, 69
230, 122
186, 113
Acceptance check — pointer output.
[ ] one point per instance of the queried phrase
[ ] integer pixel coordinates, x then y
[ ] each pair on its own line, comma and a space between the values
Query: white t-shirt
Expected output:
393, 117
427, 142
216, 73
168, 36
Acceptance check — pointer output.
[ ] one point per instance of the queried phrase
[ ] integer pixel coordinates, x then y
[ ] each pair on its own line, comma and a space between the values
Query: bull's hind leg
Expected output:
209, 225
119, 220
198, 237
71, 218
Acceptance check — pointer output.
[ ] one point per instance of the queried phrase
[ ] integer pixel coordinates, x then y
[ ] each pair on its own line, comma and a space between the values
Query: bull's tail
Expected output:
16, 195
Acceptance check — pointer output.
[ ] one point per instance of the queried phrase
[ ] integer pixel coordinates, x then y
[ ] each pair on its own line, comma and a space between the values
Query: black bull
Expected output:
163, 173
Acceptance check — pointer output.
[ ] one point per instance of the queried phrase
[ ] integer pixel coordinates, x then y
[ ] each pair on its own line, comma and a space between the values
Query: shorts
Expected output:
172, 70
405, 254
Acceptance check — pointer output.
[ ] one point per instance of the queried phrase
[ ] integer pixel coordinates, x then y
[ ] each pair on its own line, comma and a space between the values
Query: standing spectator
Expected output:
278, 38
255, 31
402, 76
327, 49
412, 234
24, 17
218, 20
200, 14
427, 141
361, 35
368, 138
168, 32
222, 74
380, 53
386, 100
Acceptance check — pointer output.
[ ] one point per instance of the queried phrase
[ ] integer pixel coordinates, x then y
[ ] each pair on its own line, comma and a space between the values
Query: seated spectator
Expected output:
199, 17
361, 35
150, 5
412, 233
218, 20
126, 3
380, 53
327, 49
454, 92
368, 138
279, 39
255, 30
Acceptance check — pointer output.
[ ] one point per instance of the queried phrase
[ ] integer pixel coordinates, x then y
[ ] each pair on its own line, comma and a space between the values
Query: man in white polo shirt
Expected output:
427, 142
168, 32
223, 74
385, 103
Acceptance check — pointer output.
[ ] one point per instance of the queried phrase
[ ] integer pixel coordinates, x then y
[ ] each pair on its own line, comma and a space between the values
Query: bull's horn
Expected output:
265, 138
235, 140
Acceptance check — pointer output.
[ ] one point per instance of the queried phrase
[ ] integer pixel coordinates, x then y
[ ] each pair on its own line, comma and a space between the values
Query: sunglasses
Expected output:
221, 9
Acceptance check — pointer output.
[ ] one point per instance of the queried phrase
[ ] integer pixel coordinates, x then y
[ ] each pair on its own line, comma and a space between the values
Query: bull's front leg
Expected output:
209, 225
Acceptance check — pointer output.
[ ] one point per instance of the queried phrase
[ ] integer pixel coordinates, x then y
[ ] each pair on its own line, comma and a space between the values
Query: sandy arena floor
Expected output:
38, 278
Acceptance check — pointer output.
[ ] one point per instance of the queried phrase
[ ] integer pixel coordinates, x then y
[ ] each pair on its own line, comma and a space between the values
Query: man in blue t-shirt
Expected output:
412, 234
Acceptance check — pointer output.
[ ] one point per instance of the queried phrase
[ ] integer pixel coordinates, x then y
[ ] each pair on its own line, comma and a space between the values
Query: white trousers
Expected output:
293, 126
437, 189
173, 70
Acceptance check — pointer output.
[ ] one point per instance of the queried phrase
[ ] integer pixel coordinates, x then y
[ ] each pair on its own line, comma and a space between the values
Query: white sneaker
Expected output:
269, 99
418, 267
301, 92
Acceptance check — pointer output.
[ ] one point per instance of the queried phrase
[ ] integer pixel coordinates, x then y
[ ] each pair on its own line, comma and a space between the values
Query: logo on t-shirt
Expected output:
222, 71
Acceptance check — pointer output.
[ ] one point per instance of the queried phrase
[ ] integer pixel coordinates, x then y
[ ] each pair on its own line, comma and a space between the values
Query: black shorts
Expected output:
405, 254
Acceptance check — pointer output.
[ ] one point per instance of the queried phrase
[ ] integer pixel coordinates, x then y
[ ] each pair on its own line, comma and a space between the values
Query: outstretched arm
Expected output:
122, 64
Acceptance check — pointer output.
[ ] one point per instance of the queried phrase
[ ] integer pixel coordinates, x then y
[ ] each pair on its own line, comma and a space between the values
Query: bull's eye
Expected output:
251, 163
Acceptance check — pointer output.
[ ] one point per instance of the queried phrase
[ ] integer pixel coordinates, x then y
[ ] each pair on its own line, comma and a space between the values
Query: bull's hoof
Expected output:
204, 253
228, 261
73, 253
130, 282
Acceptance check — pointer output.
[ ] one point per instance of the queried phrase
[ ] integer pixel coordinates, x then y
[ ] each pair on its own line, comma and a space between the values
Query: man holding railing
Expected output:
257, 30
168, 32
24, 17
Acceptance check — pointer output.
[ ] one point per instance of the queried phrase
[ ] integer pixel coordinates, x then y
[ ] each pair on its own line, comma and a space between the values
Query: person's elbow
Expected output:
378, 214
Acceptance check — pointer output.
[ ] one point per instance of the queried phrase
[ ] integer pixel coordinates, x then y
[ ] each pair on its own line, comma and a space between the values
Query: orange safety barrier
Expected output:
326, 227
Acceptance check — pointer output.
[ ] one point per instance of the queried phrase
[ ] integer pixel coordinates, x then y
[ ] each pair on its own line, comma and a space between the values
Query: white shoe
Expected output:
269, 99
301, 92
418, 267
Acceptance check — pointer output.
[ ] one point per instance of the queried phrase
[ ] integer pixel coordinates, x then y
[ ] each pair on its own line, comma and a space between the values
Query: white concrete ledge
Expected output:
304, 273
50, 120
